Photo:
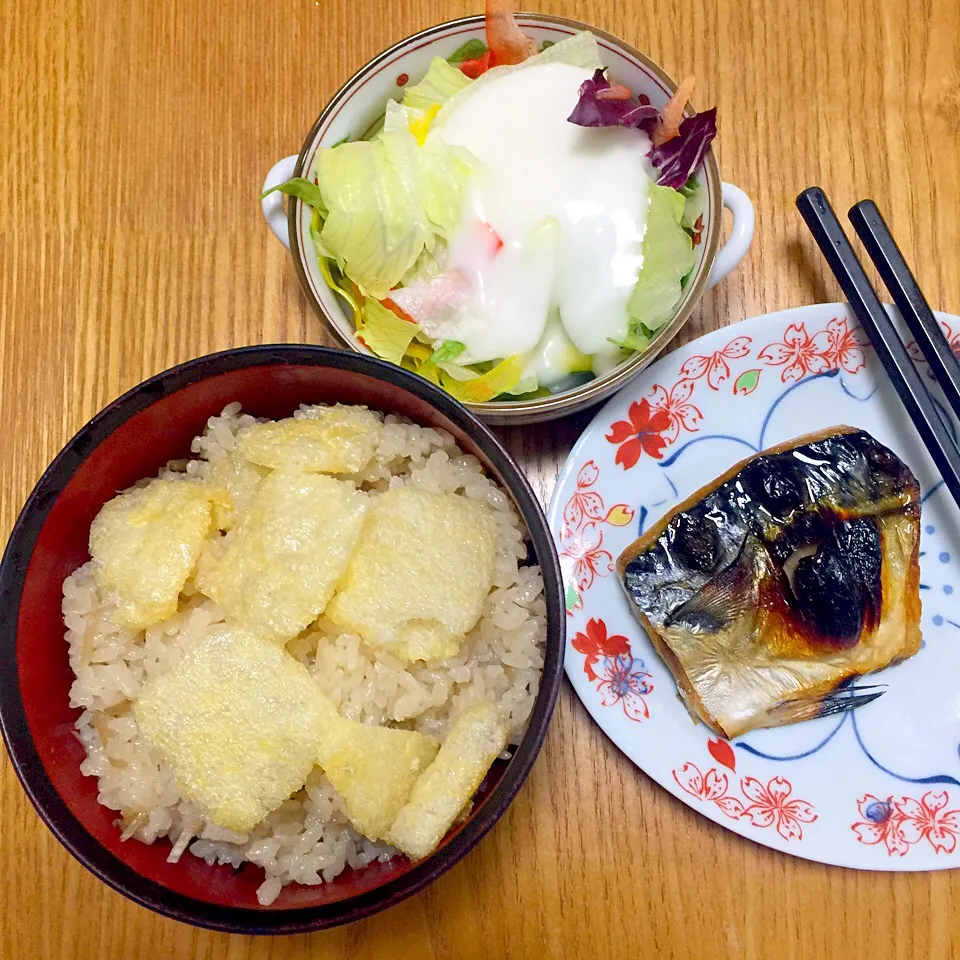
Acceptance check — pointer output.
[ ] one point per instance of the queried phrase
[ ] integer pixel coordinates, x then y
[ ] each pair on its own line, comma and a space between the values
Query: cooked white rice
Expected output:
308, 839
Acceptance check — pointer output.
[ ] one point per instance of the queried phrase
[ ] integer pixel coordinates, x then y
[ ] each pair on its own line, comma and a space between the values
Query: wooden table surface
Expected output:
134, 140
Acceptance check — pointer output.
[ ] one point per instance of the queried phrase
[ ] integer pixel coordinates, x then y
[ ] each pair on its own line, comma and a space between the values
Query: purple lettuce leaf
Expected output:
676, 159
593, 112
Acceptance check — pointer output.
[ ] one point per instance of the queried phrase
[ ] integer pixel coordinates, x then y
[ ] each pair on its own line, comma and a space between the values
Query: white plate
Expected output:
875, 789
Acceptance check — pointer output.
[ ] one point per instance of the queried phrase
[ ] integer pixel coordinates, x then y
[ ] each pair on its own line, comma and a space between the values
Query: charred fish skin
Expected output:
782, 561
838, 590
788, 499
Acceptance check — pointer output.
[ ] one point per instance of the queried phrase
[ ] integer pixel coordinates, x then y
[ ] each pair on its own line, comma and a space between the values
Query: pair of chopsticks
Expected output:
879, 243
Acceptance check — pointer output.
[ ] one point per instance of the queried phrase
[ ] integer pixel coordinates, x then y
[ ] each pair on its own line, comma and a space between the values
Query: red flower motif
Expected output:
923, 819
585, 504
952, 339
715, 366
880, 824
681, 415
916, 354
640, 434
711, 787
770, 805
722, 752
594, 643
623, 680
844, 346
798, 353
584, 547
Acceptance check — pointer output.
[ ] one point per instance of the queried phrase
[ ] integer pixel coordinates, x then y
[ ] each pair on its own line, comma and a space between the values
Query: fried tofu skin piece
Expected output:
374, 770
238, 720
146, 543
420, 575
239, 479
476, 739
337, 439
284, 558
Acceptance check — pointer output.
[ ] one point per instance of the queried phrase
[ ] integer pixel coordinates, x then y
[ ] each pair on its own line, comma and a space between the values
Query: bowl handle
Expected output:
272, 206
738, 243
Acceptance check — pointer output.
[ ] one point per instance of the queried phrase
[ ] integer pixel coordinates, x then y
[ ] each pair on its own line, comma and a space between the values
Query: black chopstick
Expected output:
884, 252
815, 209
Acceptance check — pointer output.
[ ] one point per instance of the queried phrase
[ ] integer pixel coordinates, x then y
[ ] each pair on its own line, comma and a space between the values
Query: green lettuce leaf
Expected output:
634, 341
535, 394
430, 264
667, 258
694, 205
388, 200
448, 350
471, 50
422, 370
441, 82
501, 378
526, 385
300, 188
456, 371
443, 172
383, 332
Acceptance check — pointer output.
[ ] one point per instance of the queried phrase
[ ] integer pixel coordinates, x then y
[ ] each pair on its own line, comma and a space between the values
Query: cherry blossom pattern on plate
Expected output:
640, 433
585, 504
900, 824
715, 366
845, 346
586, 556
764, 805
582, 554
771, 806
681, 414
836, 347
621, 677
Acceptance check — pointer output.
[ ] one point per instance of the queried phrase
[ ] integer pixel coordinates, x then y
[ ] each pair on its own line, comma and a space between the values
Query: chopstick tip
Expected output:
866, 211
813, 197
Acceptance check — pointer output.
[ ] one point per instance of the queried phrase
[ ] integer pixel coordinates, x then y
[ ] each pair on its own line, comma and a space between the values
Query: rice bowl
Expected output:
152, 425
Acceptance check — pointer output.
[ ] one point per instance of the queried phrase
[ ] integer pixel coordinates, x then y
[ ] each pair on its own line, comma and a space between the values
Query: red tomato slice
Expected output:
495, 237
476, 68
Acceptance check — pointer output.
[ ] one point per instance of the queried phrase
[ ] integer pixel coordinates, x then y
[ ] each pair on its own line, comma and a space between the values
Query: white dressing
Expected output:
569, 205
555, 357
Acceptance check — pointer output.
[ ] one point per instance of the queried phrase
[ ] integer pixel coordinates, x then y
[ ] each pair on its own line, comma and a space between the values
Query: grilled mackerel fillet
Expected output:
792, 572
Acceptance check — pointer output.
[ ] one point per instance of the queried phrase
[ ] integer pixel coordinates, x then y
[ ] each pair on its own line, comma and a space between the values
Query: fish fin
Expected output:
824, 705
728, 596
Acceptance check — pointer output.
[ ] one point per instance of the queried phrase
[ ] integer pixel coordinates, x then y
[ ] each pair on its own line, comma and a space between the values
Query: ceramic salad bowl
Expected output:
359, 104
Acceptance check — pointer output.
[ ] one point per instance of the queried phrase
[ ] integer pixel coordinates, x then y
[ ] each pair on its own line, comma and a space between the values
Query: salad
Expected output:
519, 224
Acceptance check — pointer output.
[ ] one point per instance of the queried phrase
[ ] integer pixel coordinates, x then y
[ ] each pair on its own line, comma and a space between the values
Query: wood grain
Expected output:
135, 137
